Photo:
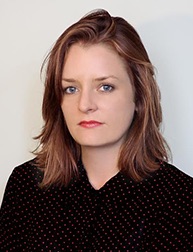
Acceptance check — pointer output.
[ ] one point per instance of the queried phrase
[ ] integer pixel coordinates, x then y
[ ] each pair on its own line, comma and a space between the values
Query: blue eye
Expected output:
70, 90
106, 88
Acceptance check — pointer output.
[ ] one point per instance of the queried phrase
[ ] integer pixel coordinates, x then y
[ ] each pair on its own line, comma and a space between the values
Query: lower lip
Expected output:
90, 125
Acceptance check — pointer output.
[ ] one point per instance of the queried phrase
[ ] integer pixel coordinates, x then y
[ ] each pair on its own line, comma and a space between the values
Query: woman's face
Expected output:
98, 99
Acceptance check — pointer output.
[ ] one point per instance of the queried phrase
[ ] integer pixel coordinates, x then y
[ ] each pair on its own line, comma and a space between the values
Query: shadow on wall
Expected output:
33, 112
169, 43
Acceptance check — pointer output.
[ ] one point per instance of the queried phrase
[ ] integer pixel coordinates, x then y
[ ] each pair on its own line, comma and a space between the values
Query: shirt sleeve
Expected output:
173, 229
9, 226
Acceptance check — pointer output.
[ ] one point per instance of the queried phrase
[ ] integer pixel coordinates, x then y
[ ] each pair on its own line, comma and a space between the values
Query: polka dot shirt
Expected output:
153, 215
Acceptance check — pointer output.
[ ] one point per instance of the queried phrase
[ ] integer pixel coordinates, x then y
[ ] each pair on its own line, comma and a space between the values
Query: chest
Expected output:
85, 220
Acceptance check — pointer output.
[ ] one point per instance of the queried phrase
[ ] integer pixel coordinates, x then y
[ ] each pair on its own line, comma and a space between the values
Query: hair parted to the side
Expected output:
145, 147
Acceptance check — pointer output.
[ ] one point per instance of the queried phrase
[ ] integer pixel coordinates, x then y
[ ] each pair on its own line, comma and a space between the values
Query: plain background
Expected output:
28, 29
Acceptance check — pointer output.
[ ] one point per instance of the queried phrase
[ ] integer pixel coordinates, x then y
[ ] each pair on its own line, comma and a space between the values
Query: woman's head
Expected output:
144, 144
98, 98
95, 28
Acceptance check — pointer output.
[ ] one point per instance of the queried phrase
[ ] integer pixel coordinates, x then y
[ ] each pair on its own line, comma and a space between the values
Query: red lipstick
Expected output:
89, 124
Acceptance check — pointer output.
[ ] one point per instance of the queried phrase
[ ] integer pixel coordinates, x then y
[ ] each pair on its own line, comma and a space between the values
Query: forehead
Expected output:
98, 57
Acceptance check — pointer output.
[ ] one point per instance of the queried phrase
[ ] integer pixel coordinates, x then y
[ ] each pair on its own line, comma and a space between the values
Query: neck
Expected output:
100, 164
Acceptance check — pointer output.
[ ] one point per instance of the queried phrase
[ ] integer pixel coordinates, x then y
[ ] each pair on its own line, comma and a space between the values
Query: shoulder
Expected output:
18, 202
28, 169
172, 176
25, 175
22, 184
170, 185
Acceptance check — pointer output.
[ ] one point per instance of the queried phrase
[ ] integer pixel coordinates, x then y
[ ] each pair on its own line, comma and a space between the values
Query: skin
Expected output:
98, 107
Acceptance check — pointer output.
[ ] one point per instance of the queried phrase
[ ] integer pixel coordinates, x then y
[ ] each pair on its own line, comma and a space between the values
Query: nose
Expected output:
87, 101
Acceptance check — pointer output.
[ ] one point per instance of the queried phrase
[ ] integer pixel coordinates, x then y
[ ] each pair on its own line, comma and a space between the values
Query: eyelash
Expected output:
67, 90
102, 88
110, 88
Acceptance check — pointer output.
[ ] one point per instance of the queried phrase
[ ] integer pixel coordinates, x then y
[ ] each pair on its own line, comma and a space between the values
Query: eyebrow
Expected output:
70, 80
105, 77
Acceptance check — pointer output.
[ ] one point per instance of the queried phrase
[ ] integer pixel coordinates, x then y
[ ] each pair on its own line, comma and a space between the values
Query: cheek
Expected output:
66, 114
124, 113
66, 108
124, 107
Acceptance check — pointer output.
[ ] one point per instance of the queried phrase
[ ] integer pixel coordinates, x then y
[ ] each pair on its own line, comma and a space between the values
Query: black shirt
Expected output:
153, 215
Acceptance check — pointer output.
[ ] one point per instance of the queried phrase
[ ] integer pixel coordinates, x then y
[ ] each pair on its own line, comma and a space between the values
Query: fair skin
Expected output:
98, 107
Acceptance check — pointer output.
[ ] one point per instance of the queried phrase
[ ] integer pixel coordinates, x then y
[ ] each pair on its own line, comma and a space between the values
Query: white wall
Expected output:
29, 28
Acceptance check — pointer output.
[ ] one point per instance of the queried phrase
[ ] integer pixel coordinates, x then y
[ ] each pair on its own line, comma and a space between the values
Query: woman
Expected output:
100, 180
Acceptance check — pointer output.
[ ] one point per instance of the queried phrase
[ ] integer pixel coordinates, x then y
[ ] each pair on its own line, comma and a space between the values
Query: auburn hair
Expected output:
145, 147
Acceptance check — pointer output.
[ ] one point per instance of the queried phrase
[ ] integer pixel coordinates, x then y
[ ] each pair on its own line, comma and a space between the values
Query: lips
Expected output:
89, 124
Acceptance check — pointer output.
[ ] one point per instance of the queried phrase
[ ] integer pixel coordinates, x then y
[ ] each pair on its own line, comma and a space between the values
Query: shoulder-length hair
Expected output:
145, 147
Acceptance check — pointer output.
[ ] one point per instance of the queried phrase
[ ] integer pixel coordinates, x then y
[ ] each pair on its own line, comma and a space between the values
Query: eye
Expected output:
106, 88
70, 90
